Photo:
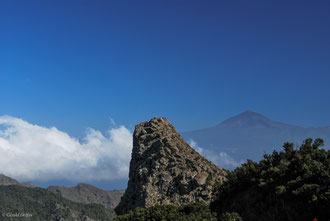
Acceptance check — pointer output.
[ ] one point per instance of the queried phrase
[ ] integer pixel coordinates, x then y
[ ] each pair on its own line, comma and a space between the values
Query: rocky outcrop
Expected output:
7, 181
164, 169
87, 194
29, 184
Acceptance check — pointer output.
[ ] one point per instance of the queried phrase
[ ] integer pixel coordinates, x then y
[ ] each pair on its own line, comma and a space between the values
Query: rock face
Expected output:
164, 169
7, 181
85, 193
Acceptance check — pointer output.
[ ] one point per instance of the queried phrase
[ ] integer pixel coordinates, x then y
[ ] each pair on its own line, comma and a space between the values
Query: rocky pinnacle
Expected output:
164, 169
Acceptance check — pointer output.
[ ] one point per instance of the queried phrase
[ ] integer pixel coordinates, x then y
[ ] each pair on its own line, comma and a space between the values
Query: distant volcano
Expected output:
251, 119
249, 135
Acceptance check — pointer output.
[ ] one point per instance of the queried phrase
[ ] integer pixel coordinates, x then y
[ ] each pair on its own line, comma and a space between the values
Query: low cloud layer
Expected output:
221, 159
32, 152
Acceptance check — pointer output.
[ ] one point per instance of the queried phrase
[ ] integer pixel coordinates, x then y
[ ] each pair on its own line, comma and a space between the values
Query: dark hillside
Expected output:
39, 204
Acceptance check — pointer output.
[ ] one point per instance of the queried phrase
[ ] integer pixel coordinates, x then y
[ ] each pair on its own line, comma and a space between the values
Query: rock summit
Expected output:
164, 169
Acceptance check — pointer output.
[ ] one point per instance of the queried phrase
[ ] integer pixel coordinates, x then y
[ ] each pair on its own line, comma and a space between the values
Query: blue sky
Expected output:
74, 64
78, 64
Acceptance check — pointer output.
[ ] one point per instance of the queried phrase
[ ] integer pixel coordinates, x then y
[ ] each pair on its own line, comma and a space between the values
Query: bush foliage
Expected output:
188, 212
293, 184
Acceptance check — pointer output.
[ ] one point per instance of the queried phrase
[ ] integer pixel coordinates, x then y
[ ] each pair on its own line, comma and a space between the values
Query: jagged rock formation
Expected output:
164, 169
85, 193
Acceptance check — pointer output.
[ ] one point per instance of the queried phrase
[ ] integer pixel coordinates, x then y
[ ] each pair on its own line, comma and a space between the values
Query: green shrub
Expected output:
187, 212
293, 184
230, 217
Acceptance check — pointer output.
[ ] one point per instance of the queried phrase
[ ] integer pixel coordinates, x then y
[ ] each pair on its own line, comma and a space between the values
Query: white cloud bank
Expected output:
221, 159
32, 152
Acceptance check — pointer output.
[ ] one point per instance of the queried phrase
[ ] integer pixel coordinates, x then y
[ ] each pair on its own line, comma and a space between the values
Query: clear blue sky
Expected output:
73, 64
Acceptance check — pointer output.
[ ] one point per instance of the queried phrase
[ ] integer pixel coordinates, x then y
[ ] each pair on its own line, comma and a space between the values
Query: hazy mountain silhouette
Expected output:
251, 119
249, 135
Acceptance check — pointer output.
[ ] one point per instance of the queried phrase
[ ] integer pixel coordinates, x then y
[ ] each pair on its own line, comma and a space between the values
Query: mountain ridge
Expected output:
22, 203
249, 115
81, 193
7, 181
251, 118
87, 194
